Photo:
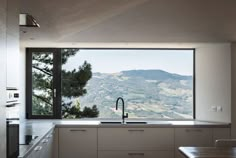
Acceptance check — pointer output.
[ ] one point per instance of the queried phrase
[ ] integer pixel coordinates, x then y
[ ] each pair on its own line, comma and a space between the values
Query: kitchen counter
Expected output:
36, 128
42, 127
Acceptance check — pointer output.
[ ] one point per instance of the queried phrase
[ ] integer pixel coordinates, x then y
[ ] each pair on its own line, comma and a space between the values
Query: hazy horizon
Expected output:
117, 60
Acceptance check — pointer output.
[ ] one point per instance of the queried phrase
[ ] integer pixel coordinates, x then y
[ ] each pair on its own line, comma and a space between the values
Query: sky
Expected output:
116, 60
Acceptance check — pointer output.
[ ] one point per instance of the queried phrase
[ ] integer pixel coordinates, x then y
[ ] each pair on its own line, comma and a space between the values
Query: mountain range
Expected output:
147, 94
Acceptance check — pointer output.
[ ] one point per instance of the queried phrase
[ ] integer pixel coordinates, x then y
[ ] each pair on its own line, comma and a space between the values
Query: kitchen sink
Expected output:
118, 122
110, 122
136, 123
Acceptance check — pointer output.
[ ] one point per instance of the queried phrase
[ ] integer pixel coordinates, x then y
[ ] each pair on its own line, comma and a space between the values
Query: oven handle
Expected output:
12, 104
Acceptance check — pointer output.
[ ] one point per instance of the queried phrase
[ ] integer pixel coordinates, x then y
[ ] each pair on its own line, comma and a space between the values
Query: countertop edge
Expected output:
77, 124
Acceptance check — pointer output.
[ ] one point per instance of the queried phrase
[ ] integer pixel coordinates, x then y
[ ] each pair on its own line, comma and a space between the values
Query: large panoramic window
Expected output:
154, 83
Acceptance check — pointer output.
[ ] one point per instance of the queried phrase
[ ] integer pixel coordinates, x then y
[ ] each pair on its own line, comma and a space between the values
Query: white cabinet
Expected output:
47, 145
135, 139
77, 142
36, 153
193, 137
44, 148
136, 142
12, 43
221, 133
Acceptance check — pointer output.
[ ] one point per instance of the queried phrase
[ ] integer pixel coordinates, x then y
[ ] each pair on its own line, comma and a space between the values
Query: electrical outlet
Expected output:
213, 108
219, 109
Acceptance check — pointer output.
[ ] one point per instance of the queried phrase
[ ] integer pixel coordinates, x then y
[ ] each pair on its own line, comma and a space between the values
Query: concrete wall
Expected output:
233, 71
213, 75
2, 78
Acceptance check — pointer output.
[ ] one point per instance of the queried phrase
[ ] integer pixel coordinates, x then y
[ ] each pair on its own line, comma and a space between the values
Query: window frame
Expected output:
57, 114
56, 83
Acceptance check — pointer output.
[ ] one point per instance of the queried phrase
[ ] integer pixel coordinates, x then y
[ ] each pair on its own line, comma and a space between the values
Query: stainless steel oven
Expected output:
12, 123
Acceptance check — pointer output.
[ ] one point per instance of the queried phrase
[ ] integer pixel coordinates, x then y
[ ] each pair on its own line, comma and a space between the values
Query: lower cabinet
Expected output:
124, 142
77, 143
134, 154
36, 153
198, 137
45, 147
135, 143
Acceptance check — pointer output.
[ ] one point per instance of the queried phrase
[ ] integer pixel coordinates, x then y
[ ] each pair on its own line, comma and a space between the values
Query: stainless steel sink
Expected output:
118, 122
136, 123
110, 122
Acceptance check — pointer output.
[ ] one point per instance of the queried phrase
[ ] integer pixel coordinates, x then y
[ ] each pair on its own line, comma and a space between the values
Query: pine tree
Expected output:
73, 86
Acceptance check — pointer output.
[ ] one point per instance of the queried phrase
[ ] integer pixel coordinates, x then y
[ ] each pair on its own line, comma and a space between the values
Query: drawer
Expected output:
192, 137
77, 141
135, 139
135, 154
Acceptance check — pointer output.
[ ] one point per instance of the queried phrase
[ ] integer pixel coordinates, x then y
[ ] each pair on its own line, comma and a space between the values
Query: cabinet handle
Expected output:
38, 148
55, 93
136, 130
193, 130
78, 130
136, 154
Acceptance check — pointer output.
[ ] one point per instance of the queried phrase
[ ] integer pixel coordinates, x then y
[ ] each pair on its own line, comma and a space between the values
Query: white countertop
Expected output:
41, 127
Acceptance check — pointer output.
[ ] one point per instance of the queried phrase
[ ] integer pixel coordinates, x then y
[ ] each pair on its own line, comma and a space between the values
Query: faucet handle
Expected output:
126, 115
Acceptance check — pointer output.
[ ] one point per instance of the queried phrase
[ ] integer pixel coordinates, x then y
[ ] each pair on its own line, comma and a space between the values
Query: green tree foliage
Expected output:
73, 86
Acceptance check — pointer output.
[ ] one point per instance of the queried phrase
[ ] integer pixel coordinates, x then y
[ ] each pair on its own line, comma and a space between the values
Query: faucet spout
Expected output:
123, 109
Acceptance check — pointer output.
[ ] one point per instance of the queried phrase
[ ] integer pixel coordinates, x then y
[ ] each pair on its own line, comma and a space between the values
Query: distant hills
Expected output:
147, 94
154, 75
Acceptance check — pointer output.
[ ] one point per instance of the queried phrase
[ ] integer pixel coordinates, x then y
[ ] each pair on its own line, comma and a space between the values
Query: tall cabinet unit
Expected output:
12, 43
3, 6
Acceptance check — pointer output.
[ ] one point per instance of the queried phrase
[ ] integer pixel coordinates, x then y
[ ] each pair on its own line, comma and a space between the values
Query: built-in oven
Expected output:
12, 138
12, 123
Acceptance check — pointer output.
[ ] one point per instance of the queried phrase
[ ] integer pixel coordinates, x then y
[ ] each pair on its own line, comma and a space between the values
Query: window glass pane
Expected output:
154, 83
42, 83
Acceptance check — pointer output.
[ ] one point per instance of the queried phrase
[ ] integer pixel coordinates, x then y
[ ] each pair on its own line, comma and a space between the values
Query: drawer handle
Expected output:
136, 154
49, 136
136, 130
38, 148
78, 130
193, 130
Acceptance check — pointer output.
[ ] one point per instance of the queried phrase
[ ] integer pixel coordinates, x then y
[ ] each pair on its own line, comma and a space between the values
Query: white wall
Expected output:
213, 82
213, 75
2, 78
22, 82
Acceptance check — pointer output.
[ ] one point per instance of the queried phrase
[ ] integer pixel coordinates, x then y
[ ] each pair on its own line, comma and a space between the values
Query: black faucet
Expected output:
123, 109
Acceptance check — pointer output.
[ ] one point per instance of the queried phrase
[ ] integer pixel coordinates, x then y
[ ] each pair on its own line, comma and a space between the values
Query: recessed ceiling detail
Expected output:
74, 21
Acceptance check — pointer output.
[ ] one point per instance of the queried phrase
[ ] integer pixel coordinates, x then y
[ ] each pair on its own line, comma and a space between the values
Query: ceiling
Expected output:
129, 21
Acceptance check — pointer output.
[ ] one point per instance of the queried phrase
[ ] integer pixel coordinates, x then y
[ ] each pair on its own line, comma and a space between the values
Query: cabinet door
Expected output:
13, 43
46, 144
221, 133
36, 153
77, 142
135, 139
135, 154
201, 137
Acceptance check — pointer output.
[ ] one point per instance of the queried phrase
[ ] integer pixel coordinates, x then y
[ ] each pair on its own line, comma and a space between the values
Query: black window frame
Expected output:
56, 83
57, 114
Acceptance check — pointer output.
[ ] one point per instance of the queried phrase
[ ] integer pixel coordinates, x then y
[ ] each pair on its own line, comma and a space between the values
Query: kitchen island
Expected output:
208, 152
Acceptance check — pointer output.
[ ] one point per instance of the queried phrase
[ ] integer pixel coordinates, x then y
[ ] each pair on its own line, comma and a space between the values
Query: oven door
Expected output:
12, 139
